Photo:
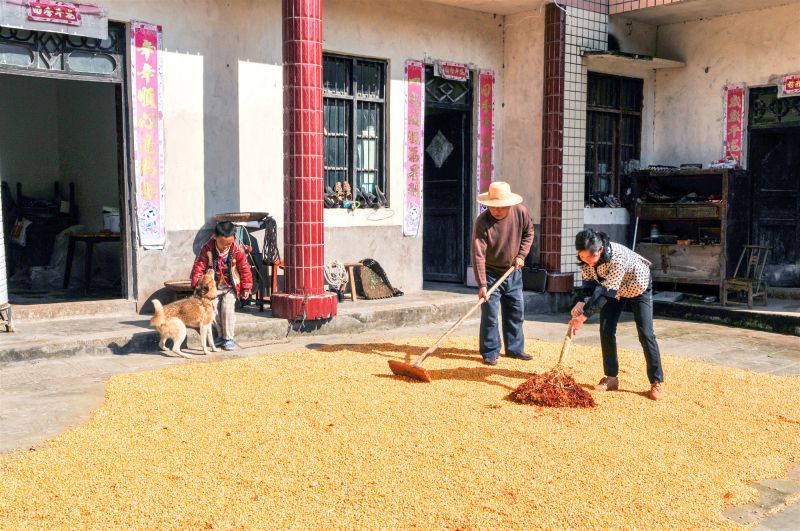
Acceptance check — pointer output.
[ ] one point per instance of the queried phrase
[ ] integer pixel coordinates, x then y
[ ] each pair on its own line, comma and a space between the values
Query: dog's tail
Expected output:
158, 318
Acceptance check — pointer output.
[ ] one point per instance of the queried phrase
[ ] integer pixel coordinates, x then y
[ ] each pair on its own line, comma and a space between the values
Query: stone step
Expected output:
129, 332
71, 310
778, 320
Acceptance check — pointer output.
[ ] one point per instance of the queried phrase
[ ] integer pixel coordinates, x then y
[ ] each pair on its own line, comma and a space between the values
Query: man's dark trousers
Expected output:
508, 297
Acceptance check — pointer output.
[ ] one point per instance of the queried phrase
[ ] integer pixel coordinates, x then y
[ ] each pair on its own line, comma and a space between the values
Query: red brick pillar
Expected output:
553, 137
304, 296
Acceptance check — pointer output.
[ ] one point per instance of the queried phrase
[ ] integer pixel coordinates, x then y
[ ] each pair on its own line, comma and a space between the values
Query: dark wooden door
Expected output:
775, 165
446, 194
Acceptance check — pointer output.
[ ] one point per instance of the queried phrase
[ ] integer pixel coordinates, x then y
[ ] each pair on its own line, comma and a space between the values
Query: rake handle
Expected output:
453, 328
564, 349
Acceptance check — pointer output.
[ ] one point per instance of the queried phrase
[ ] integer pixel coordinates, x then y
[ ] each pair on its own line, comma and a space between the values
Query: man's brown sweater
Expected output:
497, 242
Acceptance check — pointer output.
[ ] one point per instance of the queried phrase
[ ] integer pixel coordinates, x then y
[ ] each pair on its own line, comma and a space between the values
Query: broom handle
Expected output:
564, 349
453, 328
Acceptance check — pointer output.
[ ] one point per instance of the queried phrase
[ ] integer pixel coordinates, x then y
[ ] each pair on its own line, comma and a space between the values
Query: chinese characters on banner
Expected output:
55, 12
485, 130
148, 133
451, 71
790, 86
415, 117
734, 121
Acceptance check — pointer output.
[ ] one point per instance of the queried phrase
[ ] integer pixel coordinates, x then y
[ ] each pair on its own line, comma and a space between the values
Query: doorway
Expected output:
447, 190
774, 162
63, 166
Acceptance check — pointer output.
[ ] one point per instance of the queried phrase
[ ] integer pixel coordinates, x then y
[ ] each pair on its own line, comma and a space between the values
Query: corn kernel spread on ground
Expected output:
328, 438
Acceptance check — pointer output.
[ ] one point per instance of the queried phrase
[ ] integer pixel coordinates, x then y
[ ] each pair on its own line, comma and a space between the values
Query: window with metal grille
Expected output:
354, 91
613, 132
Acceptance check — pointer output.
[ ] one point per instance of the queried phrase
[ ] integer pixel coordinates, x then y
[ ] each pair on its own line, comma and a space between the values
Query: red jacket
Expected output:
240, 267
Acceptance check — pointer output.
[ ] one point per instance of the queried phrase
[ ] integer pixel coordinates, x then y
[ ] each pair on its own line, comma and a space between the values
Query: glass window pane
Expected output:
629, 130
92, 63
354, 155
612, 138
336, 132
369, 79
336, 75
368, 146
15, 54
632, 95
603, 91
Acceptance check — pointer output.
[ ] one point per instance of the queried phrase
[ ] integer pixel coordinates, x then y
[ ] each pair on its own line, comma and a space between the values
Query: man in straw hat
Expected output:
502, 238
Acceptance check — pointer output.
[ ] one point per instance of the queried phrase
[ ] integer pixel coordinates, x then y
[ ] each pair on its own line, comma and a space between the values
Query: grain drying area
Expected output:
328, 438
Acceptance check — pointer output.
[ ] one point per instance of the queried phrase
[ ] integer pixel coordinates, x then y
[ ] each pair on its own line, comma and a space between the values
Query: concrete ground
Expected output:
41, 398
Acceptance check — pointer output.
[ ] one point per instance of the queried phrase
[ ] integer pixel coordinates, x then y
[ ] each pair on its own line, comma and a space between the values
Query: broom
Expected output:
555, 388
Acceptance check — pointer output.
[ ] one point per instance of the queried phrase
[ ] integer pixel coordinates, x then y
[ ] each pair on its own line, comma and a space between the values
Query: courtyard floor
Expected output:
321, 435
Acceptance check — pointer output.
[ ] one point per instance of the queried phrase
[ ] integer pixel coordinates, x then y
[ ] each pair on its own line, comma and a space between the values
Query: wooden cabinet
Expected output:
683, 264
706, 210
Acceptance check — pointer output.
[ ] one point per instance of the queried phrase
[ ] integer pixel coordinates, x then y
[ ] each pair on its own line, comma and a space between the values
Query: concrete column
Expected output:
304, 296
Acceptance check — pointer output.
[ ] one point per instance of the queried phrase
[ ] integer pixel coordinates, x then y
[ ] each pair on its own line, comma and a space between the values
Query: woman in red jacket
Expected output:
232, 271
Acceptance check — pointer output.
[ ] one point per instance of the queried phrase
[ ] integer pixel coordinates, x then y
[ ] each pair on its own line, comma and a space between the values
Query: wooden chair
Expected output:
750, 280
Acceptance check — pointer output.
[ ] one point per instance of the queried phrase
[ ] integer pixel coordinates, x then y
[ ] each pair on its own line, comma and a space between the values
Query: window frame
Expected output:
618, 114
352, 135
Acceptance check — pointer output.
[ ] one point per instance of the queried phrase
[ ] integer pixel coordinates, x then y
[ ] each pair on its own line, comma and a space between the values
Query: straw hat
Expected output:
499, 195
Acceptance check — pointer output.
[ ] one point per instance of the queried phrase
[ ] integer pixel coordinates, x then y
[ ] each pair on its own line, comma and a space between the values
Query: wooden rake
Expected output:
416, 371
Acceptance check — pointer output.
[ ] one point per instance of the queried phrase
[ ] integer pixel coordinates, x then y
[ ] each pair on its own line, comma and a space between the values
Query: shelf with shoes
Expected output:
691, 222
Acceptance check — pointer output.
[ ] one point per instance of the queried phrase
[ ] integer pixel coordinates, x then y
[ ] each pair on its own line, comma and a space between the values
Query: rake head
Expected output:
410, 371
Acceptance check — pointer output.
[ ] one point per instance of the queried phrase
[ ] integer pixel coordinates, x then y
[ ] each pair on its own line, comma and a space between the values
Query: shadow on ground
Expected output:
408, 353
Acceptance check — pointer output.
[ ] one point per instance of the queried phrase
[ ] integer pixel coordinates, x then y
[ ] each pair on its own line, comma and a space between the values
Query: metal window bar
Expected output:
336, 75
336, 134
613, 133
65, 56
354, 122
368, 140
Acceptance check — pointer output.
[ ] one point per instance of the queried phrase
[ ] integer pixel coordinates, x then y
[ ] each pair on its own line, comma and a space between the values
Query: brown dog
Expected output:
198, 311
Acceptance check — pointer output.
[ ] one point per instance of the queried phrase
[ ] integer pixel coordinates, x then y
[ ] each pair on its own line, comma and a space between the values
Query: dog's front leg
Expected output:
204, 330
211, 339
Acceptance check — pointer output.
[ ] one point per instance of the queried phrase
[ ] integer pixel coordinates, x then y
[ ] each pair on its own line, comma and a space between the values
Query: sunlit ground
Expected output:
329, 438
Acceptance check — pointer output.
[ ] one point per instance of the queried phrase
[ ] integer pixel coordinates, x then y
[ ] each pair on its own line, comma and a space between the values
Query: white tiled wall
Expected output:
586, 30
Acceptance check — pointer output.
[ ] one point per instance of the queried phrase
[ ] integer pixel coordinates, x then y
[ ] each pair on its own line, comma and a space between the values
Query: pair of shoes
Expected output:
367, 199
656, 391
331, 198
229, 344
520, 356
489, 362
608, 383
596, 200
381, 197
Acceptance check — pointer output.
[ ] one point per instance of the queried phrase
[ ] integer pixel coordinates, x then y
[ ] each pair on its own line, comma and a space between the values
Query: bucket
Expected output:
560, 282
111, 219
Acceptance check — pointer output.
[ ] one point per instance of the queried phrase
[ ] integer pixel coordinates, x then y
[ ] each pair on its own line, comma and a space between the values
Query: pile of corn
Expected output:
328, 438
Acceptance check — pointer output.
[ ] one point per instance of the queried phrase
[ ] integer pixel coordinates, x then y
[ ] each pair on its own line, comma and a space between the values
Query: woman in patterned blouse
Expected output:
613, 275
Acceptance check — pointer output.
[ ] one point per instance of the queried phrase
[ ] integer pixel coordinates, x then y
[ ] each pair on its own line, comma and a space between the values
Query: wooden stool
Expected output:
273, 275
7, 317
351, 275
